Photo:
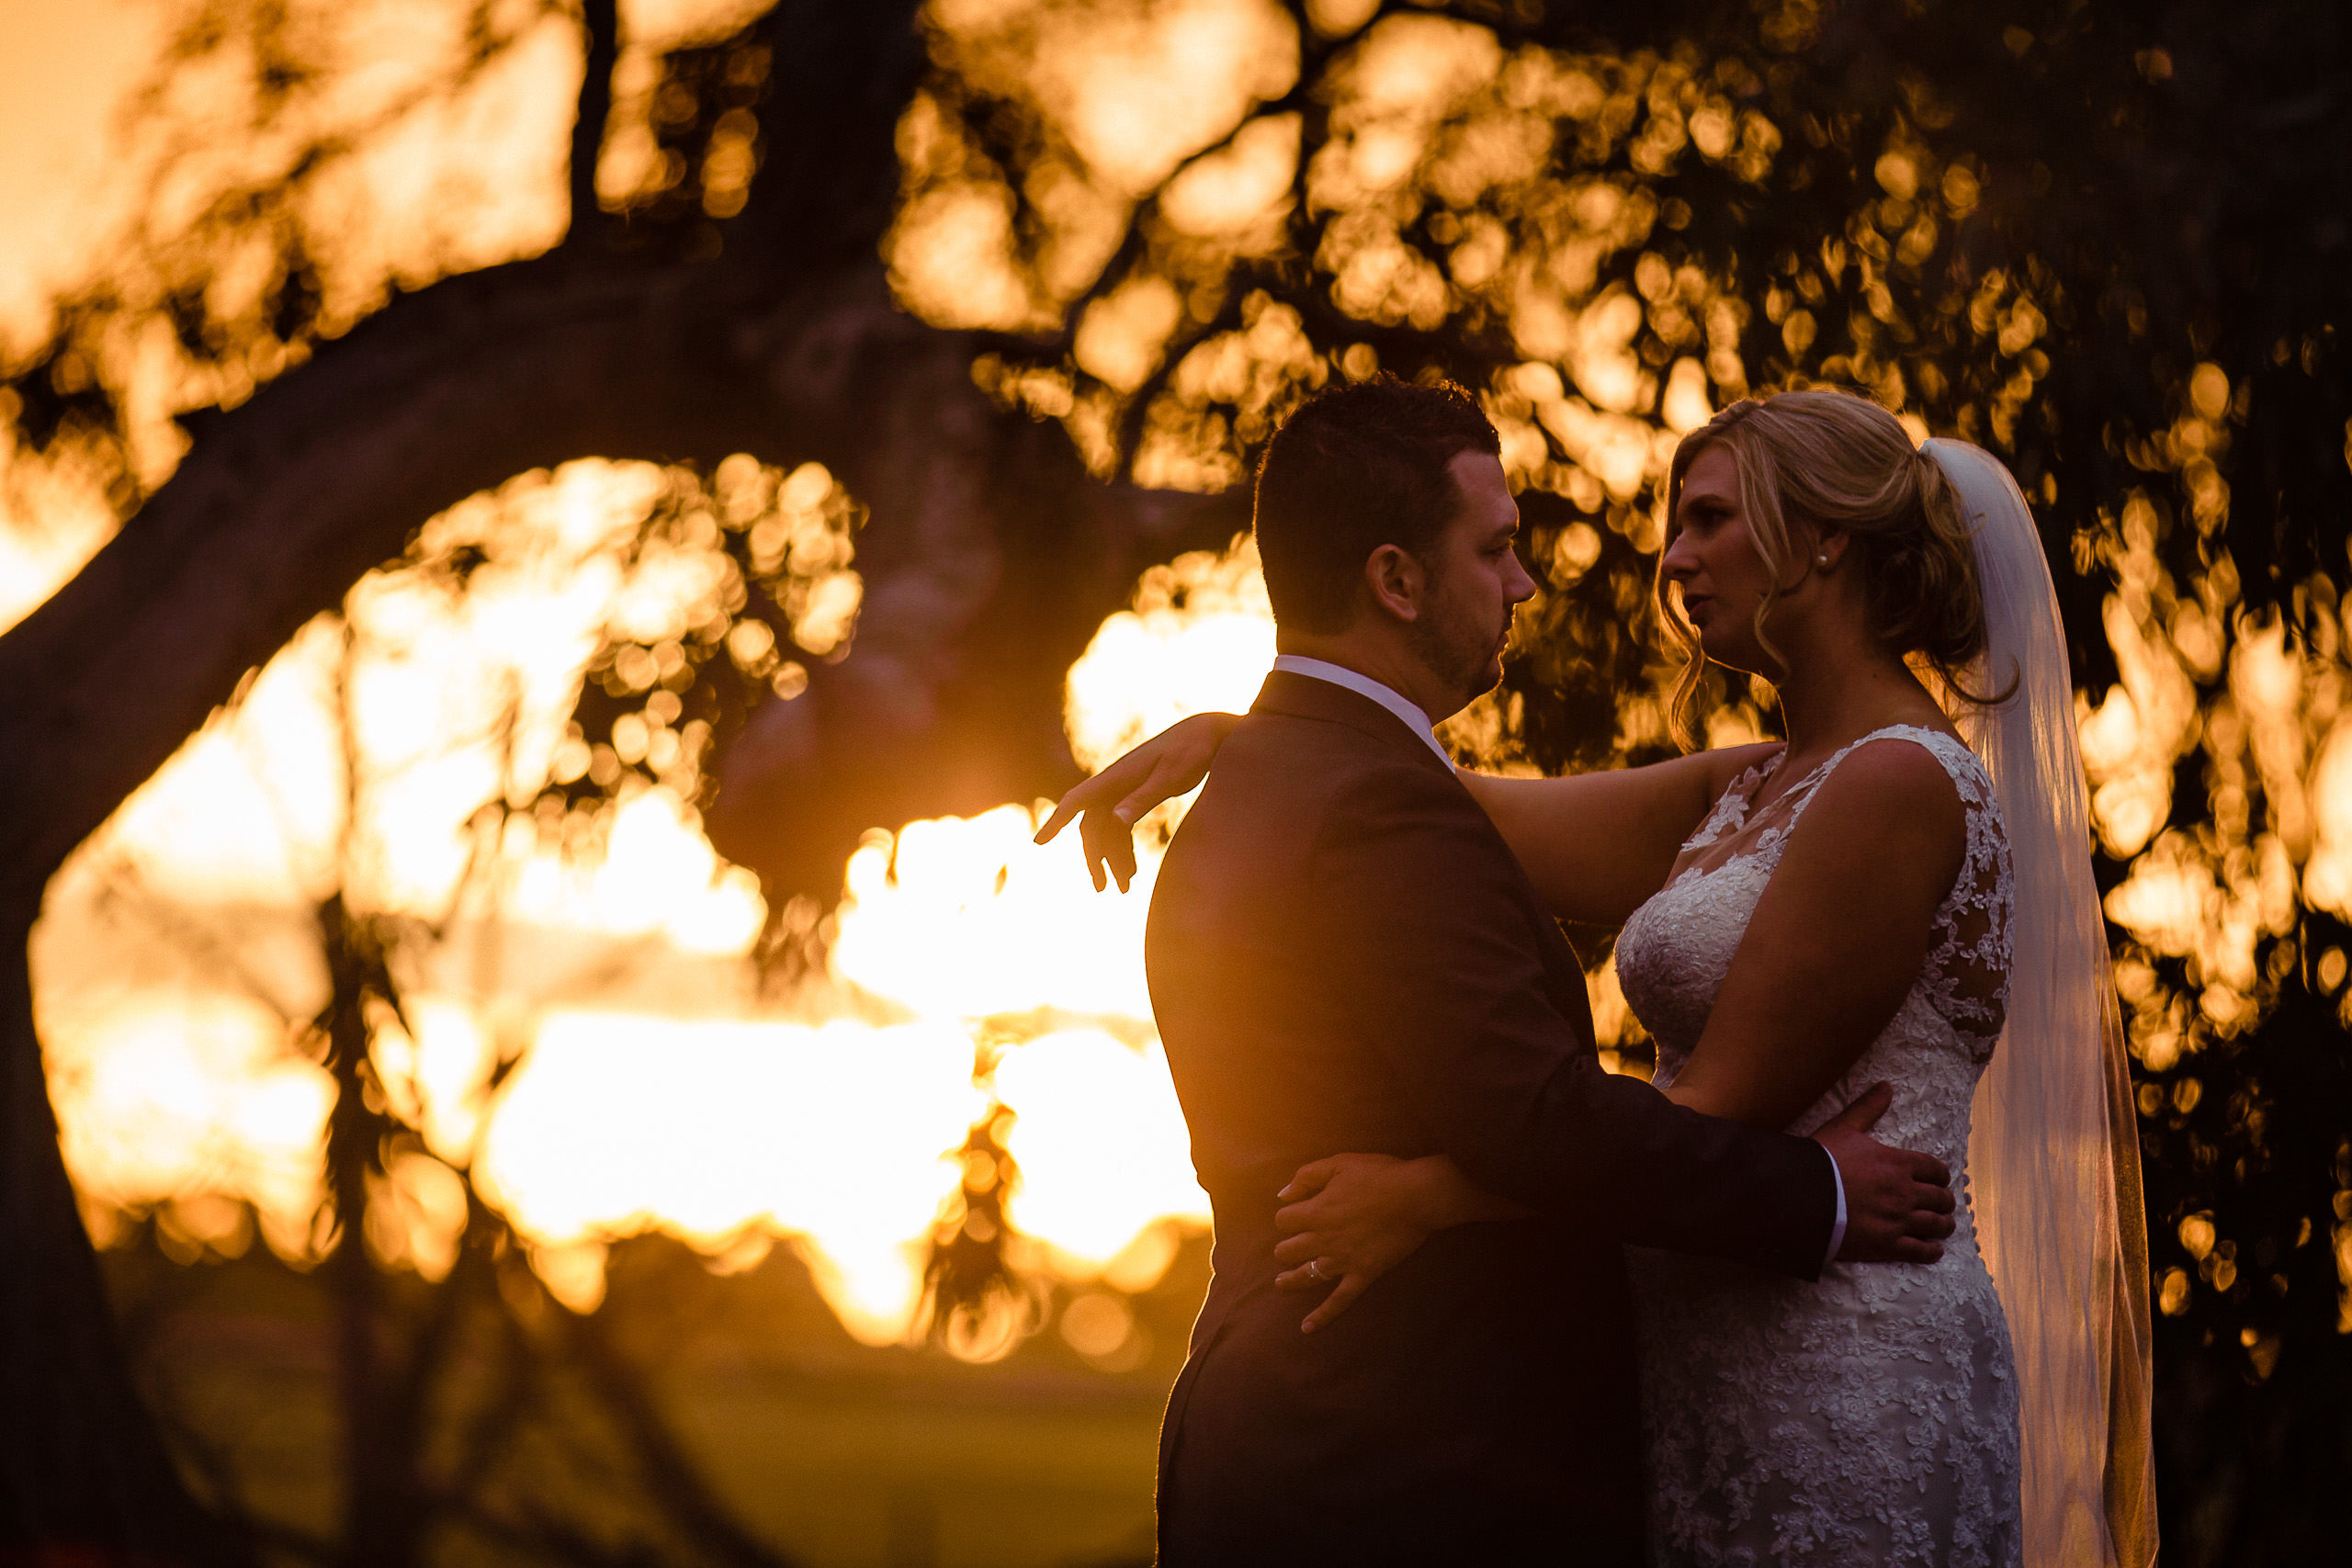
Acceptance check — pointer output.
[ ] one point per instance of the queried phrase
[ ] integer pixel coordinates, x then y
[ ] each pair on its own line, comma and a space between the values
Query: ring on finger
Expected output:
1315, 1270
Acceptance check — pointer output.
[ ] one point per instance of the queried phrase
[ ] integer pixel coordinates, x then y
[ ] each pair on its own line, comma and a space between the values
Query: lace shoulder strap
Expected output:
1969, 779
1967, 972
1731, 807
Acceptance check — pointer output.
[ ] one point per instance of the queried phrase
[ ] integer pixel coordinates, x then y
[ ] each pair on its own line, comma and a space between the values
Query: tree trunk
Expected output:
81, 1463
988, 558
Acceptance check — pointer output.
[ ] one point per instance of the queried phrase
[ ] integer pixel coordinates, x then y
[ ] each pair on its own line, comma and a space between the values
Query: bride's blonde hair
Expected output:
1837, 460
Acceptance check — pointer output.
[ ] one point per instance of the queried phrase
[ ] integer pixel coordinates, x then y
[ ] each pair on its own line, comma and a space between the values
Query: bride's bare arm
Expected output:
1597, 844
1594, 844
1350, 1219
1837, 940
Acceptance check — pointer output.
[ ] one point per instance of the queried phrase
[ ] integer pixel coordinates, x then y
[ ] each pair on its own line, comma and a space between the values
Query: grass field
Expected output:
834, 1454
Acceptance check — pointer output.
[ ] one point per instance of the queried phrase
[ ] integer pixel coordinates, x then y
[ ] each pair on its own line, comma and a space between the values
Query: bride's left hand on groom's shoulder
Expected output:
1170, 764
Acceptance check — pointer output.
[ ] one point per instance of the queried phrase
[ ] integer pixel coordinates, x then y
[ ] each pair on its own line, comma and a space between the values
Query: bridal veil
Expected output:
2053, 1163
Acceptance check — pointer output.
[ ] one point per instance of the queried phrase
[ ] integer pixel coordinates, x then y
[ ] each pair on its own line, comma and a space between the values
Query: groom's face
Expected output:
1475, 581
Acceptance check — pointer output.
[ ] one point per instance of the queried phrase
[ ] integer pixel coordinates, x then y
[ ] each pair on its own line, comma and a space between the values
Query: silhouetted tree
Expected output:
2108, 240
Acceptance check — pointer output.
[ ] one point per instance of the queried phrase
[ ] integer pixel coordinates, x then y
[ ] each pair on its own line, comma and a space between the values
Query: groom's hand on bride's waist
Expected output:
1898, 1202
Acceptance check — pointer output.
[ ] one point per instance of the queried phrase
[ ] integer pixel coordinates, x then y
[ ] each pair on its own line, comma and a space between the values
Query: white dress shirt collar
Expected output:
1365, 686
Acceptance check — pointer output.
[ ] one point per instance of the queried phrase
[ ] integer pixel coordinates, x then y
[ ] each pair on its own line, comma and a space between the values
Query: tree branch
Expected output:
80, 1457
829, 174
601, 28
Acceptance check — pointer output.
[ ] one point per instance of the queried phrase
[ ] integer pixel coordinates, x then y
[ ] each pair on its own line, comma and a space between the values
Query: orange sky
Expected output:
174, 1083
64, 69
68, 70
67, 67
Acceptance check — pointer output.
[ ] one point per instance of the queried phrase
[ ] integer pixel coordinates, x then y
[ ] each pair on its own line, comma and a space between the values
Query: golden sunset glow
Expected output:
656, 1085
1150, 227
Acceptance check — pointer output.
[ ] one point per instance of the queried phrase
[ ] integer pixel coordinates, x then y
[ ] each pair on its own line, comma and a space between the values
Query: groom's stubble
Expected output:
1465, 657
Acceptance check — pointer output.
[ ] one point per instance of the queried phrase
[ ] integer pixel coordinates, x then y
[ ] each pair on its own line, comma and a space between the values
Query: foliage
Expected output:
262, 239
454, 1353
733, 586
2108, 240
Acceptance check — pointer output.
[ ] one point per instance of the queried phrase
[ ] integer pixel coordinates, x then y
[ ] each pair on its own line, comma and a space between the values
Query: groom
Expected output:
1345, 957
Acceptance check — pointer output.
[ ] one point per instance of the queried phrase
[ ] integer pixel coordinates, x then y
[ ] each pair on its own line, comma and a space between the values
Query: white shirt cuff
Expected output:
1838, 1228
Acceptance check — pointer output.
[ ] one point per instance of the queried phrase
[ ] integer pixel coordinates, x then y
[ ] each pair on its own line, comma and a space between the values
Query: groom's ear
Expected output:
1397, 581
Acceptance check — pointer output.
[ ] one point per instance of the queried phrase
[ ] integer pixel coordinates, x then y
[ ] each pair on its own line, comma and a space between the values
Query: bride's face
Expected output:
1714, 565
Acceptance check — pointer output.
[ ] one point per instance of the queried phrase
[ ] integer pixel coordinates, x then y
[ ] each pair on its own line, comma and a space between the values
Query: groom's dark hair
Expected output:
1355, 468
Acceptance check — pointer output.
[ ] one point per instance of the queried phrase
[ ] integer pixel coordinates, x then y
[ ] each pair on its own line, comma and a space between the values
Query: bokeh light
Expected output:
1158, 224
602, 954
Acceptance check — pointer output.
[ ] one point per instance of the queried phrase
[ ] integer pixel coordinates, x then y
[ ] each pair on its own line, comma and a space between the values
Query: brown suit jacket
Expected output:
1345, 957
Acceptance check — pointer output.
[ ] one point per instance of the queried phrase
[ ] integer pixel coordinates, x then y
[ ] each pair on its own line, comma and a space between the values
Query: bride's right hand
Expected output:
1169, 763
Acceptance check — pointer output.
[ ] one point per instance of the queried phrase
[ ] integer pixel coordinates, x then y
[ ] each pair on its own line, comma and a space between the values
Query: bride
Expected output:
1902, 892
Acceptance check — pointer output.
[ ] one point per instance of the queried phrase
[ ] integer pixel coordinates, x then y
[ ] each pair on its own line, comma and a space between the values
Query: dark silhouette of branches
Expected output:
601, 23
2036, 222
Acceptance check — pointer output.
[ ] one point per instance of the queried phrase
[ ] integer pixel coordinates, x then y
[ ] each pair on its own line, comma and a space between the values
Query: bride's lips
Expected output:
1694, 606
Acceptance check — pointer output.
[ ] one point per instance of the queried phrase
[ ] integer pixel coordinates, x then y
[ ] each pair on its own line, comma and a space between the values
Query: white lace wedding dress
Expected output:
1869, 1418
